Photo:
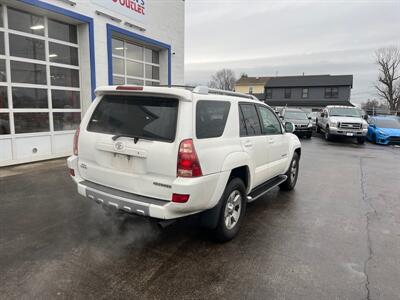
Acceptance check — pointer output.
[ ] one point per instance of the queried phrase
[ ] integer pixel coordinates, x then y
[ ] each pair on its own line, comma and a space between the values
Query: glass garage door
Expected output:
134, 64
40, 103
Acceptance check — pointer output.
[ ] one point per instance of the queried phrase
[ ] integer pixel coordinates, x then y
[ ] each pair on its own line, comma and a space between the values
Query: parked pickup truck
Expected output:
166, 153
346, 121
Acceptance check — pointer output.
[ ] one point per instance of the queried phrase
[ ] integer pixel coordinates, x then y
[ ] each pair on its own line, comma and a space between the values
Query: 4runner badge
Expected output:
119, 146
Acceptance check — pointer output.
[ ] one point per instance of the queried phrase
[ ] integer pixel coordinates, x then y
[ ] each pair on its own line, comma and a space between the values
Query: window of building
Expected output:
288, 93
134, 64
43, 60
250, 90
268, 93
332, 92
304, 93
249, 120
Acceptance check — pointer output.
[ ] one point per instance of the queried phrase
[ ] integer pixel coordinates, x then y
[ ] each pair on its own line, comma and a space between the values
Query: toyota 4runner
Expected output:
346, 121
168, 152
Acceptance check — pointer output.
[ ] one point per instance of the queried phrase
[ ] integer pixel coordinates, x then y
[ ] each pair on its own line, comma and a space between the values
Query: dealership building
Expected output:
54, 53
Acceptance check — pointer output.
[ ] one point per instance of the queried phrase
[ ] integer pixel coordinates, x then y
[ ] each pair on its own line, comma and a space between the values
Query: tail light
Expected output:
188, 162
129, 88
76, 138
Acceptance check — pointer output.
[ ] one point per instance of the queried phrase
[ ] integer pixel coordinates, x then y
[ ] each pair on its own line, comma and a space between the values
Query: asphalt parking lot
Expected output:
337, 236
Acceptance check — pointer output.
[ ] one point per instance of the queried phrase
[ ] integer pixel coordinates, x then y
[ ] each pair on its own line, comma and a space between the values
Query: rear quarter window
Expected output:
149, 118
211, 118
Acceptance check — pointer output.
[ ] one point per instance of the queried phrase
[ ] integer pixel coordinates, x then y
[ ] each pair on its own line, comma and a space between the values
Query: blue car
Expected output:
384, 130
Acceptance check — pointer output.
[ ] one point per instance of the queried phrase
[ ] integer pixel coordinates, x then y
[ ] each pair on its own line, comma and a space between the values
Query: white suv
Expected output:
166, 153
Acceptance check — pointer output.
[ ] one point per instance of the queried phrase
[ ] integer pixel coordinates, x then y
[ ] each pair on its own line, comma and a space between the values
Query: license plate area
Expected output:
349, 133
122, 162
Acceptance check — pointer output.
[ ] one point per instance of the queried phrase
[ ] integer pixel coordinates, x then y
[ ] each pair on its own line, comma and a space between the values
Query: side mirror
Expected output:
365, 117
322, 115
281, 117
289, 127
309, 118
372, 125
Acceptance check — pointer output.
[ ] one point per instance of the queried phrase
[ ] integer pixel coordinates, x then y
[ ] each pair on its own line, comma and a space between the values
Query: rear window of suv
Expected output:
150, 118
211, 118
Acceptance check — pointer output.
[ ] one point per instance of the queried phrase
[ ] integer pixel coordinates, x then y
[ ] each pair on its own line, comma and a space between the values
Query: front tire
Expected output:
232, 211
327, 135
291, 174
360, 140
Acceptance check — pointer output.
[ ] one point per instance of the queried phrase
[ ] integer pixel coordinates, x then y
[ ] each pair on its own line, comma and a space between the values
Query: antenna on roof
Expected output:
303, 73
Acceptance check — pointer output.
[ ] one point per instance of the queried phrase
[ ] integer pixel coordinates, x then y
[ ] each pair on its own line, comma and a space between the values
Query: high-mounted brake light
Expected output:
188, 162
129, 88
76, 138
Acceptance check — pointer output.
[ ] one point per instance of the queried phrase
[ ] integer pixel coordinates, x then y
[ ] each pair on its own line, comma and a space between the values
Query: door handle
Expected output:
248, 144
271, 141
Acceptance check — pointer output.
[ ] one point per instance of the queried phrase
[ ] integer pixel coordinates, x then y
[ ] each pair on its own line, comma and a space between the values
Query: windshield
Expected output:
150, 118
345, 112
296, 115
388, 123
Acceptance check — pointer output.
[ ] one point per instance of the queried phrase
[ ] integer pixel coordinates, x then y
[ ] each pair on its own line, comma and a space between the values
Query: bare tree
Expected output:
223, 79
388, 86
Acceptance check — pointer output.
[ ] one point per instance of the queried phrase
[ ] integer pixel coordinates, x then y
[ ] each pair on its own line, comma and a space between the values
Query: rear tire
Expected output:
360, 140
317, 129
291, 174
232, 211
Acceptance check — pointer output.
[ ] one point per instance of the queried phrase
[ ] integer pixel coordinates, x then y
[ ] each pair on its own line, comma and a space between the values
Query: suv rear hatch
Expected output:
129, 143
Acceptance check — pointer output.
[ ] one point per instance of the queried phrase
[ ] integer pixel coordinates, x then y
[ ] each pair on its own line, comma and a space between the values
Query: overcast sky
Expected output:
265, 38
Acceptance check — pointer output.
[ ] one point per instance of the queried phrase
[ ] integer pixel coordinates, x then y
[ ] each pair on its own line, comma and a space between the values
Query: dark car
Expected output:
303, 123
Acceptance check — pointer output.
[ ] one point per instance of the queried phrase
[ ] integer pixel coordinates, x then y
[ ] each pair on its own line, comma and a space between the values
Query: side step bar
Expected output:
265, 187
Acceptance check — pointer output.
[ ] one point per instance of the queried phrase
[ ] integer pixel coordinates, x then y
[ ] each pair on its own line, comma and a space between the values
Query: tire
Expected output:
309, 135
373, 139
232, 212
291, 174
317, 129
327, 135
360, 140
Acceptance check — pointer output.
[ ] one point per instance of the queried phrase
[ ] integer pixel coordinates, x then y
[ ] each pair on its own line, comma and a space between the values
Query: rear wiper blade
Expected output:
134, 137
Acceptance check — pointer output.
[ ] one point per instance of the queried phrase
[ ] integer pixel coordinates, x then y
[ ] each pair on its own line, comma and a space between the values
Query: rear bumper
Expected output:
204, 193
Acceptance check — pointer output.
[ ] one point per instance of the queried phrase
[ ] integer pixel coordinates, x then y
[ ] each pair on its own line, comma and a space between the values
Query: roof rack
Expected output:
205, 90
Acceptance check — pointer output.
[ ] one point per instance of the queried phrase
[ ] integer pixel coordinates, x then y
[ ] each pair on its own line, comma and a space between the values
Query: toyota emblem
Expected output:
119, 146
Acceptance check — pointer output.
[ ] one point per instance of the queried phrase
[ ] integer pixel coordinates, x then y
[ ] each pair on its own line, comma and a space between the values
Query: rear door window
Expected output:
211, 118
151, 118
249, 120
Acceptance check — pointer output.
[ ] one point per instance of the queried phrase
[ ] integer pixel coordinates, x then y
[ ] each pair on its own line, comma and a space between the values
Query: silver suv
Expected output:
346, 121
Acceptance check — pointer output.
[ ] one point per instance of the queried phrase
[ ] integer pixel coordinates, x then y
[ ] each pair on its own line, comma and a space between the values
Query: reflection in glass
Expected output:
134, 69
152, 72
118, 80
2, 51
3, 73
118, 66
22, 72
4, 123
135, 81
63, 54
117, 47
64, 77
29, 98
31, 122
151, 56
134, 51
3, 97
26, 47
65, 99
66, 121
62, 31
26, 22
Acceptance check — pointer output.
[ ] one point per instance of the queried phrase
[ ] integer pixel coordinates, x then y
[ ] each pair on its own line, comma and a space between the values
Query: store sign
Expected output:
135, 10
